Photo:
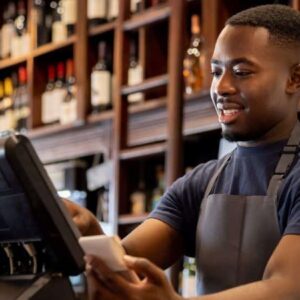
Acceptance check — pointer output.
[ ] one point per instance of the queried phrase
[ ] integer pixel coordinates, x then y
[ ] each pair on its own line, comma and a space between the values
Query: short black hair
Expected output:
282, 22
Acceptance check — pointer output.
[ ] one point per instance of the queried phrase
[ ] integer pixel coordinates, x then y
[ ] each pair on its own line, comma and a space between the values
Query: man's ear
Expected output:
293, 83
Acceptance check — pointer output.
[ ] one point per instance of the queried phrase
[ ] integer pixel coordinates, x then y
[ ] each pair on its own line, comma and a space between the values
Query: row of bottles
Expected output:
14, 102
55, 20
137, 6
14, 38
59, 102
143, 200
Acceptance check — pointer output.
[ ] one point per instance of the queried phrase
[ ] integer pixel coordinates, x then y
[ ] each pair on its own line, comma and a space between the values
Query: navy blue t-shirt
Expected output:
247, 173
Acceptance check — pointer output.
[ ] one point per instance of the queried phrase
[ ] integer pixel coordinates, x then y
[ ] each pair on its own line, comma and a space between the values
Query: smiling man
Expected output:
239, 216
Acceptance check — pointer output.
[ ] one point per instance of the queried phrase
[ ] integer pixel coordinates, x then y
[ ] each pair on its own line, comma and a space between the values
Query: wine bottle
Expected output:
101, 80
69, 15
48, 102
9, 117
97, 12
192, 63
59, 28
68, 112
8, 29
135, 73
113, 9
43, 22
23, 110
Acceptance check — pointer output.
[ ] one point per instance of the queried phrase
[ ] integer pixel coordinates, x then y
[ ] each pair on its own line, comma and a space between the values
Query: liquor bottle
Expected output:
69, 15
9, 117
8, 29
43, 22
159, 190
136, 6
113, 9
22, 110
102, 209
192, 63
101, 81
68, 112
49, 110
2, 127
97, 12
138, 200
135, 73
59, 28
189, 277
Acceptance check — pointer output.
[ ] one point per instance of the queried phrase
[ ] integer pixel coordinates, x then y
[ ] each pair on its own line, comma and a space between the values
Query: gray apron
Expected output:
236, 235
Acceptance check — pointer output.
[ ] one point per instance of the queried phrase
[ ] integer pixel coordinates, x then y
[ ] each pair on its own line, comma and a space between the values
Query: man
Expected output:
239, 216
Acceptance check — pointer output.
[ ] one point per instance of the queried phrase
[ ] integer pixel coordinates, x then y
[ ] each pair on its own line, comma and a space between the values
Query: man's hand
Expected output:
108, 285
83, 218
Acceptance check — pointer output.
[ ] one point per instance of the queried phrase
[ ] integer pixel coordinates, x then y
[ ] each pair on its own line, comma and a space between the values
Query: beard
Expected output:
233, 136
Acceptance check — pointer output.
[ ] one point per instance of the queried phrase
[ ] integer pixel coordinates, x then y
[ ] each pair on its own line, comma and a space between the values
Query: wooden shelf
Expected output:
12, 62
132, 219
143, 151
149, 16
52, 129
100, 117
147, 84
103, 28
45, 49
147, 105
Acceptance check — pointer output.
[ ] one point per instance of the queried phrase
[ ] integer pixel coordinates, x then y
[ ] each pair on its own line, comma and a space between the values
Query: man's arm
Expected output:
281, 278
156, 241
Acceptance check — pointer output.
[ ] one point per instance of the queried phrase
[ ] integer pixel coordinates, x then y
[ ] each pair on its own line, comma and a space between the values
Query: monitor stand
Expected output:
44, 287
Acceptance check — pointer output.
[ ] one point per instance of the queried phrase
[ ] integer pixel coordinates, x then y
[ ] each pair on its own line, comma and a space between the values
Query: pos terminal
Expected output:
39, 246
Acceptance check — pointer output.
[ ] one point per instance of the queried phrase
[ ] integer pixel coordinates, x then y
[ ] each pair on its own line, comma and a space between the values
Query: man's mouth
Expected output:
229, 112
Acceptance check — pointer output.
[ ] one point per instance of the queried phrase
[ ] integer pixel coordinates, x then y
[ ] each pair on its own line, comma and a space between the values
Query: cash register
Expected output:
39, 246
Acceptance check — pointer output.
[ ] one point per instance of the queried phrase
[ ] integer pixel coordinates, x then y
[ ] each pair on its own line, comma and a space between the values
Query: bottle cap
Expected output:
60, 70
51, 73
22, 75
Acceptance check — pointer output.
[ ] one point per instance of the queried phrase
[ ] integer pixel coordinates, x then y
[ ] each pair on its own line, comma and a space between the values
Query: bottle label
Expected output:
16, 46
113, 9
100, 88
97, 9
10, 120
8, 32
135, 75
25, 44
68, 112
59, 32
69, 15
51, 102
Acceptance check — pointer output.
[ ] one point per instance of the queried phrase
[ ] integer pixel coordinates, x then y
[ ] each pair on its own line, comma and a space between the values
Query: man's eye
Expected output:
215, 73
242, 73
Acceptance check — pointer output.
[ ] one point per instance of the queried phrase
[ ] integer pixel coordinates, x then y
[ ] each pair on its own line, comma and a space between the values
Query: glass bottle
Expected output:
135, 73
22, 101
192, 63
69, 104
97, 12
69, 15
101, 81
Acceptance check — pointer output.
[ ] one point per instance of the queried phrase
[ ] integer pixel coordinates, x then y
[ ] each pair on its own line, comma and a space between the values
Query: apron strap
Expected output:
216, 175
286, 159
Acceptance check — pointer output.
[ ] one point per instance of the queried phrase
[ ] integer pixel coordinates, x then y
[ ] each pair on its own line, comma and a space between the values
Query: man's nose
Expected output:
224, 85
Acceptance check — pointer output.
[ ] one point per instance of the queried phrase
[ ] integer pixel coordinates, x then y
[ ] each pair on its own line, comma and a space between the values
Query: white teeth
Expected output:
219, 106
230, 111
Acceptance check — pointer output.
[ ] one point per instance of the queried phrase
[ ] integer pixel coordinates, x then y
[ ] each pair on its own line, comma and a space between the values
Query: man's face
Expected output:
249, 83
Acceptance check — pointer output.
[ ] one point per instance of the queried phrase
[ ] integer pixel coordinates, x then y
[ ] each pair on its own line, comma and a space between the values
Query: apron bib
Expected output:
236, 235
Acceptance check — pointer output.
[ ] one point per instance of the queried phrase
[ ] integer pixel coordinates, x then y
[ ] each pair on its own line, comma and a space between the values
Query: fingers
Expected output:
112, 280
146, 268
96, 289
